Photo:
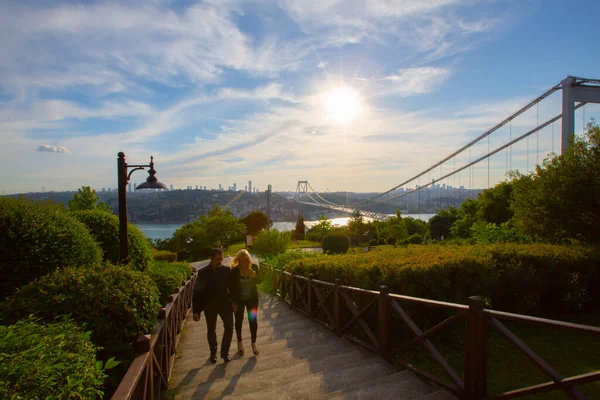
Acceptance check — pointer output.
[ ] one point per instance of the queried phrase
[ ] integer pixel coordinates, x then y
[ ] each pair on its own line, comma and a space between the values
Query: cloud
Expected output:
53, 149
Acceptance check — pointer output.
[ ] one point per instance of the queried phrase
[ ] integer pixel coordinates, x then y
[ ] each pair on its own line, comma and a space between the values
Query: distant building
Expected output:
220, 186
250, 186
103, 190
171, 188
204, 187
270, 188
129, 187
196, 187
246, 188
234, 187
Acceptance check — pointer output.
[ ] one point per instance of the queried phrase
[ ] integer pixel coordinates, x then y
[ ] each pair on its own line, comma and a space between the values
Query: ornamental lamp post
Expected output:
123, 179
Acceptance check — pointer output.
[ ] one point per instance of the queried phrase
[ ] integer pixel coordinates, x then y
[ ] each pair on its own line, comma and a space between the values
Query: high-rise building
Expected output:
234, 187
103, 190
129, 187
269, 188
204, 187
250, 186
220, 186
171, 188
246, 188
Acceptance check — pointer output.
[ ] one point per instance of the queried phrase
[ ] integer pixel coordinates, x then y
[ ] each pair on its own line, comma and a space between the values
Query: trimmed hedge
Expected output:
518, 278
116, 304
169, 277
105, 229
57, 360
373, 242
336, 243
36, 239
164, 255
391, 240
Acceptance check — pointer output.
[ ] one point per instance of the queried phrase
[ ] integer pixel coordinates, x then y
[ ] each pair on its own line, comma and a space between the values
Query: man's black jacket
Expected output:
213, 289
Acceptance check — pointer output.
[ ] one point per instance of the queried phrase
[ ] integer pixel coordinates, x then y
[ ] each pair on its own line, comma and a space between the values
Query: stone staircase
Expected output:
298, 359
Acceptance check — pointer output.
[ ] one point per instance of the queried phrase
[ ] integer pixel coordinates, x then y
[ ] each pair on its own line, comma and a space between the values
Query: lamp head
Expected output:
152, 182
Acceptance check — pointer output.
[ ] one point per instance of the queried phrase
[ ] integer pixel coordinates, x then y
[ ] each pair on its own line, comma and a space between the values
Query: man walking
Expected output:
212, 295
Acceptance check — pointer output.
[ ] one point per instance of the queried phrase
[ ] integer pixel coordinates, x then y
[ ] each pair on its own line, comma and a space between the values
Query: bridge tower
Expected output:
301, 189
575, 90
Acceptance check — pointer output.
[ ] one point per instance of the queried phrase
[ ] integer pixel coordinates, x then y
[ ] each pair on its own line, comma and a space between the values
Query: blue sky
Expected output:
236, 90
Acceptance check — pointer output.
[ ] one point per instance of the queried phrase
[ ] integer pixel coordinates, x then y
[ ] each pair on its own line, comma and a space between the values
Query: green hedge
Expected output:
37, 238
169, 277
105, 229
336, 243
56, 360
116, 304
164, 255
270, 242
518, 278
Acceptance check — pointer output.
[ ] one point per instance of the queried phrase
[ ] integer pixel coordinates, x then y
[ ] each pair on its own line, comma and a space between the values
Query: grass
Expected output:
303, 243
234, 248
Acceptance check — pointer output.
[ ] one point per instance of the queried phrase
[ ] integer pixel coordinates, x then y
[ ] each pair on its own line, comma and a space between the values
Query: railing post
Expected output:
475, 351
310, 295
383, 321
337, 311
292, 291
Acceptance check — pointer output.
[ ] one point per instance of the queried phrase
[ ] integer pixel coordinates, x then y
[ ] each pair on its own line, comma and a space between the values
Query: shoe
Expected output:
227, 359
255, 349
213, 358
240, 348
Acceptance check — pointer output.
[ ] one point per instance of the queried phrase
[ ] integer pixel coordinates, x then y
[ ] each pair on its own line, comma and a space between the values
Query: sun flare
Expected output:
342, 104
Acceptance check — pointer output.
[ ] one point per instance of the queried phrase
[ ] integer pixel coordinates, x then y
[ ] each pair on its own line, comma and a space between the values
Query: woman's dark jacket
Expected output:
235, 293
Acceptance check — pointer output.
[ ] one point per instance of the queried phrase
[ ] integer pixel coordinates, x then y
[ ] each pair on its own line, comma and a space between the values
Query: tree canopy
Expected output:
86, 199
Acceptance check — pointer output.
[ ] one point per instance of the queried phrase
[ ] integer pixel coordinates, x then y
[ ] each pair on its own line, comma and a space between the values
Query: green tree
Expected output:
356, 227
494, 204
300, 227
86, 199
394, 227
461, 228
415, 226
222, 226
255, 222
440, 224
561, 200
321, 228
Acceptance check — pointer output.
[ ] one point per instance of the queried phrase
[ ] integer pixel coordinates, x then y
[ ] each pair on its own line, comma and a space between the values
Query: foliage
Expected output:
105, 229
199, 246
56, 360
320, 229
373, 242
391, 240
487, 233
164, 255
466, 218
271, 242
415, 238
168, 277
281, 260
493, 204
300, 227
381, 241
221, 226
394, 226
255, 222
561, 200
116, 303
86, 199
513, 277
356, 227
440, 224
415, 226
336, 243
36, 239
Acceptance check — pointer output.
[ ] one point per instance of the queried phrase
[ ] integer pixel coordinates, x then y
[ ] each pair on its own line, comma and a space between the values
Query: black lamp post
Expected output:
123, 180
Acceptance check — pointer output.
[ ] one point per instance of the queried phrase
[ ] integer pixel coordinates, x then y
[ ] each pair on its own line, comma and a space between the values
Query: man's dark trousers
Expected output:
225, 312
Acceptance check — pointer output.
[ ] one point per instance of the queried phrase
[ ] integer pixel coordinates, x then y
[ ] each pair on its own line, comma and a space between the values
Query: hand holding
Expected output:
234, 307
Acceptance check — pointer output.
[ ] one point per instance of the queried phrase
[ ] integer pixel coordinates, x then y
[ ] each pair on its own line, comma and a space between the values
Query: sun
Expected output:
342, 104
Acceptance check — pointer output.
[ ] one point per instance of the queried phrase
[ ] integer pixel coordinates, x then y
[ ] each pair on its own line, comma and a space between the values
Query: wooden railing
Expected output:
370, 318
150, 371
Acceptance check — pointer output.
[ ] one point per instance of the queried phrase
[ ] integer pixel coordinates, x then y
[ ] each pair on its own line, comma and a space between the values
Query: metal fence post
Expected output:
310, 296
383, 321
292, 292
475, 351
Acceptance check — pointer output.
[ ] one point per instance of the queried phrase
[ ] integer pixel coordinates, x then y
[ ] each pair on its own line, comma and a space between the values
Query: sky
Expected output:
352, 95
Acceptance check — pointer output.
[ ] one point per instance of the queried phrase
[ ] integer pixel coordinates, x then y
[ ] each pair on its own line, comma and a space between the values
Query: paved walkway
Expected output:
298, 359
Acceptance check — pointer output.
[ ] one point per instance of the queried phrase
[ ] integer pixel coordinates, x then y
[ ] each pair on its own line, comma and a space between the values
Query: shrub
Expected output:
37, 238
168, 277
57, 360
381, 241
312, 236
163, 255
391, 240
271, 242
116, 303
373, 242
336, 243
105, 229
415, 239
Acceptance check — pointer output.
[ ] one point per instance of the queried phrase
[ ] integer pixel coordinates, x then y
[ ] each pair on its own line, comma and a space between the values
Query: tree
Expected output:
86, 199
322, 228
394, 227
356, 226
415, 226
300, 227
494, 204
561, 200
466, 218
222, 226
255, 222
440, 224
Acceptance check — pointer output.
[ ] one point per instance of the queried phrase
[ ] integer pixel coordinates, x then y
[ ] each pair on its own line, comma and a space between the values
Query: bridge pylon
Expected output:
301, 188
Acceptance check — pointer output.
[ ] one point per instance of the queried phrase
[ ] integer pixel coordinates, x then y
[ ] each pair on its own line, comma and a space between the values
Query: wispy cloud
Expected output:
53, 149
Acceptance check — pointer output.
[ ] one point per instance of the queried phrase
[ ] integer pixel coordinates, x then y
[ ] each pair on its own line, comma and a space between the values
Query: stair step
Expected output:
263, 380
439, 395
315, 384
402, 385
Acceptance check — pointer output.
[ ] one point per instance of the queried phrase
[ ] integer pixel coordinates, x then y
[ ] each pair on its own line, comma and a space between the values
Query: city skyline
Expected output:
349, 98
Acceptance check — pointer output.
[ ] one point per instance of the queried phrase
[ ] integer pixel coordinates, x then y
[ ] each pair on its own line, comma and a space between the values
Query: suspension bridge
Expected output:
507, 137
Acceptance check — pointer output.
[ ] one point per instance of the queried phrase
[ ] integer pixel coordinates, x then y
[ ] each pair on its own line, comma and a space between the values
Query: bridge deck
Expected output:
298, 359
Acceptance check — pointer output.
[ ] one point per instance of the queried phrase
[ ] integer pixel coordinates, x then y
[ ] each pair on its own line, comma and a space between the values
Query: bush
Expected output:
391, 240
312, 236
373, 242
336, 243
116, 303
271, 242
38, 361
105, 229
168, 277
163, 255
36, 239
414, 239
513, 277
381, 241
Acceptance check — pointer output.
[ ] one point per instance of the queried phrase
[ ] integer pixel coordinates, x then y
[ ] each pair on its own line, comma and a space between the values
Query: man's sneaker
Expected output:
213, 358
226, 359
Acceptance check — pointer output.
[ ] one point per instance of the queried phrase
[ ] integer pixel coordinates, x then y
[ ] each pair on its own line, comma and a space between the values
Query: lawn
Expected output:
303, 243
234, 248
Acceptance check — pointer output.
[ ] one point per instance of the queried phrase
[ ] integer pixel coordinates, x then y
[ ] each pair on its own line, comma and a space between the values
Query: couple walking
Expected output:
225, 291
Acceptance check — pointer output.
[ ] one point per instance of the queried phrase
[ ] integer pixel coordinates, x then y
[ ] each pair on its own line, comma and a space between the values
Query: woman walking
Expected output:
245, 295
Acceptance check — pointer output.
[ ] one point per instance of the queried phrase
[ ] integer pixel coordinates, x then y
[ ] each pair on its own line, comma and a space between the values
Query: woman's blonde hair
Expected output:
241, 255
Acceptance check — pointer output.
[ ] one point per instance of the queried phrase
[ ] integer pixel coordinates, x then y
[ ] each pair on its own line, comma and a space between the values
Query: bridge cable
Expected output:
474, 141
518, 139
